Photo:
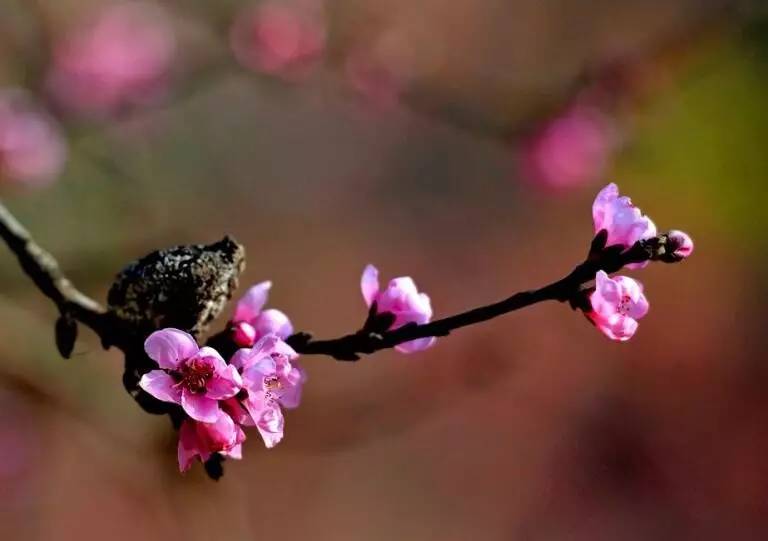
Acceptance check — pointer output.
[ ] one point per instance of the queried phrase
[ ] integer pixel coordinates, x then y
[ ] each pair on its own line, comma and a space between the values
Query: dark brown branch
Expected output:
44, 271
569, 289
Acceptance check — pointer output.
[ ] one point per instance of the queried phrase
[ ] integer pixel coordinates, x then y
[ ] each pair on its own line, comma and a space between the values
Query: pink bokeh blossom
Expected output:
196, 378
33, 151
278, 39
251, 322
570, 150
617, 305
402, 299
119, 58
201, 440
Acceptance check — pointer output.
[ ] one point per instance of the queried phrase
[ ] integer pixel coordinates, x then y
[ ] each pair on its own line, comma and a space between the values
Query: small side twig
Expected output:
44, 271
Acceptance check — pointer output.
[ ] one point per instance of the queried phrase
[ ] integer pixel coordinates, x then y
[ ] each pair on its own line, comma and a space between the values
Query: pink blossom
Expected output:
119, 58
201, 440
271, 378
250, 322
373, 79
623, 221
197, 378
570, 150
278, 39
681, 243
403, 300
617, 304
32, 148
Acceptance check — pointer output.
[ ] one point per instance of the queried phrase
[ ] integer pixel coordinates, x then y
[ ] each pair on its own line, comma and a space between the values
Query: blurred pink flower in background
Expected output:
201, 440
402, 299
282, 39
119, 58
32, 148
250, 322
373, 79
617, 304
570, 150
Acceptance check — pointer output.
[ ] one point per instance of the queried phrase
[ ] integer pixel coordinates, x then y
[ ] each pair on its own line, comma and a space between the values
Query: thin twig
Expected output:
44, 271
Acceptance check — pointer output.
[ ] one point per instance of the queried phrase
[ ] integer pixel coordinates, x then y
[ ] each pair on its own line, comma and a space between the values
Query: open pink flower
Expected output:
250, 322
197, 378
201, 440
32, 148
570, 150
623, 221
681, 243
278, 39
271, 379
617, 304
403, 300
121, 57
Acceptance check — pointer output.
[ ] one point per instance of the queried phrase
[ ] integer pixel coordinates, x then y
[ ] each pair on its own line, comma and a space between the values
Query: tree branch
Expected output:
573, 289
44, 271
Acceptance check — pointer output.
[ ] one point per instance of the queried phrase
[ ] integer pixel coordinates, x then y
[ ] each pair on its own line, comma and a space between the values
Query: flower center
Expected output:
272, 383
624, 305
195, 374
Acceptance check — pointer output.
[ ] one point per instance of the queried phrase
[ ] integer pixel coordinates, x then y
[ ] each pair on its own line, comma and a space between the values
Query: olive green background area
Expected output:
532, 427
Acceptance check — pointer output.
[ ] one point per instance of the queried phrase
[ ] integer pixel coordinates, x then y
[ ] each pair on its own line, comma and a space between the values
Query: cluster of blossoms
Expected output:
220, 397
618, 303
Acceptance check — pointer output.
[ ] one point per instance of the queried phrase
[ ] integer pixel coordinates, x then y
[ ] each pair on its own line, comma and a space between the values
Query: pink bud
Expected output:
243, 334
681, 243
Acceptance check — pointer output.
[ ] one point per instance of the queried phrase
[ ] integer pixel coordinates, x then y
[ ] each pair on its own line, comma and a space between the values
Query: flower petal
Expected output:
249, 306
212, 356
604, 198
160, 385
168, 347
419, 344
188, 447
200, 407
273, 322
224, 384
369, 284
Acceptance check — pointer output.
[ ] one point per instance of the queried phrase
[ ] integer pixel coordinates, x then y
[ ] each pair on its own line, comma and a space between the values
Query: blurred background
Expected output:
458, 142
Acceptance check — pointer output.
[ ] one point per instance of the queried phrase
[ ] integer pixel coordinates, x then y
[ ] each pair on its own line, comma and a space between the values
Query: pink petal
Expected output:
250, 305
188, 446
270, 425
604, 198
200, 407
369, 284
160, 385
414, 346
213, 357
619, 328
224, 384
273, 322
168, 347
